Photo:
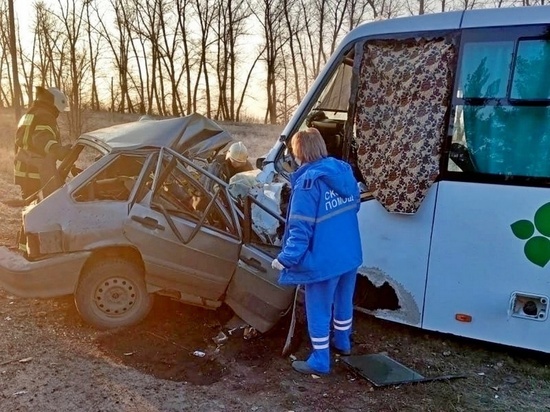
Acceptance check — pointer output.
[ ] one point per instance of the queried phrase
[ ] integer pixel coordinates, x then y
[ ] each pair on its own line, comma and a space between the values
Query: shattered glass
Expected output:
268, 194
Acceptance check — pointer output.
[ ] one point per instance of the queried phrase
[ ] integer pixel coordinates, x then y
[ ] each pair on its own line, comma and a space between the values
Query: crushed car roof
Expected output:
192, 135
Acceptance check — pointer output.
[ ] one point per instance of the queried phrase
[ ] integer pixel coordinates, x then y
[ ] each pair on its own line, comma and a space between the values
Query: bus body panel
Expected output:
477, 264
506, 16
395, 250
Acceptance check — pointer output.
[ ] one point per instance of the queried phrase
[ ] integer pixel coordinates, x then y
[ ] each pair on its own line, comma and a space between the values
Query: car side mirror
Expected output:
260, 162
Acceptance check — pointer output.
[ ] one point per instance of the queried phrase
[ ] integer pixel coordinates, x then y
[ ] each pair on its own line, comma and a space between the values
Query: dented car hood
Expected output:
192, 136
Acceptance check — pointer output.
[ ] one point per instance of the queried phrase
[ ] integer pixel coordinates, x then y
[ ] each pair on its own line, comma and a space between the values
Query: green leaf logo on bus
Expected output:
537, 247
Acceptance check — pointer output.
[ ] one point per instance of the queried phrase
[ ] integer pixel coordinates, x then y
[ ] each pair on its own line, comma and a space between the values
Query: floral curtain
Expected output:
404, 90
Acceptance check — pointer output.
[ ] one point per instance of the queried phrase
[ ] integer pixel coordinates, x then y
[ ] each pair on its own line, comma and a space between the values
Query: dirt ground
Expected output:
51, 361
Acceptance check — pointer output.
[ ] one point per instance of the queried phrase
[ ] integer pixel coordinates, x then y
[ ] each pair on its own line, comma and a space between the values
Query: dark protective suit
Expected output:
38, 145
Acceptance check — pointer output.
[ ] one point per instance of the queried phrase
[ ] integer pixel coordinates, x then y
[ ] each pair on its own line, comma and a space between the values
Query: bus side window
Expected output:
332, 131
502, 109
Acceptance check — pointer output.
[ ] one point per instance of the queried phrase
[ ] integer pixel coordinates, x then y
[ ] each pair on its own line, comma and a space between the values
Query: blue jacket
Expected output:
321, 237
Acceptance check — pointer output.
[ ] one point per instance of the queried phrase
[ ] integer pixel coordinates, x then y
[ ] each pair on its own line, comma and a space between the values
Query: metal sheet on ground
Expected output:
381, 370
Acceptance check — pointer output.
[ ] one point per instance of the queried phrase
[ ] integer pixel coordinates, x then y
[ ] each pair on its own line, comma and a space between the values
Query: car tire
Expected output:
111, 293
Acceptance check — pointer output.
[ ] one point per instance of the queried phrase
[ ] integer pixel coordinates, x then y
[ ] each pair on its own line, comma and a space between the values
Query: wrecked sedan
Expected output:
145, 217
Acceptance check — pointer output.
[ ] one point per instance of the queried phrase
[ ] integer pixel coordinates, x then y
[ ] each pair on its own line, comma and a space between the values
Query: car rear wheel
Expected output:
111, 293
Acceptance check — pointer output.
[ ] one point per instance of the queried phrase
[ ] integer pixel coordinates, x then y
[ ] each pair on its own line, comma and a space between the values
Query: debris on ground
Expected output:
220, 338
381, 370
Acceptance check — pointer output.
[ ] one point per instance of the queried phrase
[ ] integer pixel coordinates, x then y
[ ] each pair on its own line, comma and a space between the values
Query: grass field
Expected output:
258, 138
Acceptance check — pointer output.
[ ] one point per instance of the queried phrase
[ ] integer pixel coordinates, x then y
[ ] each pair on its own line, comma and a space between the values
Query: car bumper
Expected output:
55, 276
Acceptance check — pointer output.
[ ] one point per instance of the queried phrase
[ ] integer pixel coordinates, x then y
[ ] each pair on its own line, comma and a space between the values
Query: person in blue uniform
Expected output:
322, 247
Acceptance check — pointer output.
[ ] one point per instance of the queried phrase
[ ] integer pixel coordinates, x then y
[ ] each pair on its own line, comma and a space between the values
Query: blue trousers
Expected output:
329, 301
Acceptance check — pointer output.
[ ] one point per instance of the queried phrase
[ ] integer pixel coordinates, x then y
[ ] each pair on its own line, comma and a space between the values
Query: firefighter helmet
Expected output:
237, 152
59, 99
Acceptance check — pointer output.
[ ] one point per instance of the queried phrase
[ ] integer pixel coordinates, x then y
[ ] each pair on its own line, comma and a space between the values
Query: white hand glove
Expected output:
277, 265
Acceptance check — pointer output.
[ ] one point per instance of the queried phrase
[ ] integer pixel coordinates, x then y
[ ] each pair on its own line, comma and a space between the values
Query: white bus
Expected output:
446, 120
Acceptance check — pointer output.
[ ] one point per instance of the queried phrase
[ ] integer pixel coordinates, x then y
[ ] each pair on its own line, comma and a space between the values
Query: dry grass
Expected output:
257, 138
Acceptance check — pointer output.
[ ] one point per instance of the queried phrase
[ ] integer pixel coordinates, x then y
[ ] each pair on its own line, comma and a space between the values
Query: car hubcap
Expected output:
115, 296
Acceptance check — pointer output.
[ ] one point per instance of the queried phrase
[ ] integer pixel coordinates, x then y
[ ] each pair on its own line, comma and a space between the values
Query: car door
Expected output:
187, 235
254, 293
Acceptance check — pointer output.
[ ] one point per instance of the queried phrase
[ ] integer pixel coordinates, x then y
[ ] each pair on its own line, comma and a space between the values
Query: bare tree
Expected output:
72, 14
44, 29
379, 9
230, 29
293, 26
206, 10
358, 12
168, 48
5, 100
119, 45
50, 44
270, 14
313, 31
182, 11
13, 53
146, 27
158, 31
178, 56
466, 4
285, 107
338, 9
93, 52
246, 83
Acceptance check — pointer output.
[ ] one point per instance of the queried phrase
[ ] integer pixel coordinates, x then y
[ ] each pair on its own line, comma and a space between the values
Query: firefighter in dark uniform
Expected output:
37, 141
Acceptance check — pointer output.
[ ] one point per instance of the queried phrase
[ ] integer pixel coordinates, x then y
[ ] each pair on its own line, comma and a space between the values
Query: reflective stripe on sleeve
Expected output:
26, 122
325, 217
45, 128
301, 217
51, 142
49, 145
